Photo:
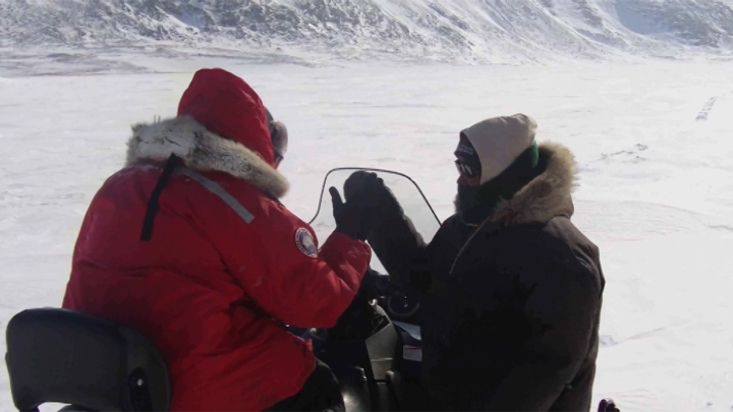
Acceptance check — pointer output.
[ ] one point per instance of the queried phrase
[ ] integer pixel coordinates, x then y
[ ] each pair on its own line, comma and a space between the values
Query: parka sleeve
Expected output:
273, 256
396, 242
564, 313
285, 274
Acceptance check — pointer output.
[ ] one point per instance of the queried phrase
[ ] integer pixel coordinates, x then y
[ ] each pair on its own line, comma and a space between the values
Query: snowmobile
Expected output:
375, 348
87, 363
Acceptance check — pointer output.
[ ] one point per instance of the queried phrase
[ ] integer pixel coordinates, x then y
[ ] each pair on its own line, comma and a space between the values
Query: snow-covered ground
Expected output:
655, 192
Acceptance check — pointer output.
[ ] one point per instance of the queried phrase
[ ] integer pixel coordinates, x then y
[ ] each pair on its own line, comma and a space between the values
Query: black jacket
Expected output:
511, 306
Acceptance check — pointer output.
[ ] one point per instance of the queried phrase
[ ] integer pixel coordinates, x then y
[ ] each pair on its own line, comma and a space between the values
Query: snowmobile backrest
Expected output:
57, 355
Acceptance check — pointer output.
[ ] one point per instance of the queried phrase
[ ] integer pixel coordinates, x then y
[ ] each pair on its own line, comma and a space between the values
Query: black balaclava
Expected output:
475, 203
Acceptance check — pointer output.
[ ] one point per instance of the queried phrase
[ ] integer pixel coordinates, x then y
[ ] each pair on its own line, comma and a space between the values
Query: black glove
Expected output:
361, 184
375, 193
375, 285
353, 218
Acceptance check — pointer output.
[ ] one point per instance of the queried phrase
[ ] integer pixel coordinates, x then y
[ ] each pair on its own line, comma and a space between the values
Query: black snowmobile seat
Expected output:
57, 355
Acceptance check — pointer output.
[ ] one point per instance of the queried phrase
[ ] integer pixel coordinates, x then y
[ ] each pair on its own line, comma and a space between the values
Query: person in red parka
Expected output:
189, 245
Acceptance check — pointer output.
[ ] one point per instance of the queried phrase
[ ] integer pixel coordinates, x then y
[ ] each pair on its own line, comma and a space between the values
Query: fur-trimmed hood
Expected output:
547, 195
202, 150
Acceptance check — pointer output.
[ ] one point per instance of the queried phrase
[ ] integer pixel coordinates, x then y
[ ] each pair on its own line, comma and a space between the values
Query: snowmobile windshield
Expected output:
407, 192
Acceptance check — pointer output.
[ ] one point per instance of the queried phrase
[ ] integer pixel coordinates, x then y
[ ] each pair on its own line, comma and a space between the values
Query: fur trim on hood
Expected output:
202, 150
547, 195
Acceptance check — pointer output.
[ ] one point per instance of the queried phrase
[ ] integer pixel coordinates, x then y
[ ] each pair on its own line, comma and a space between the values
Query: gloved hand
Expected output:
376, 194
361, 183
374, 285
353, 218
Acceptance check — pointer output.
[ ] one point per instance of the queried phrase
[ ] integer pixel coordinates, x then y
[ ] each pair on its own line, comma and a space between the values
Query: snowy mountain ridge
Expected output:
466, 30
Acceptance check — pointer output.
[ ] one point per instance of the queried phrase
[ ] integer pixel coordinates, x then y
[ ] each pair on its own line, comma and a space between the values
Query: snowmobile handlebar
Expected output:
376, 285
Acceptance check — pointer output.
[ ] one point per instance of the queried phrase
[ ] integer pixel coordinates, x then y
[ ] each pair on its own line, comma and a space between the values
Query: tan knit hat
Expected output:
498, 141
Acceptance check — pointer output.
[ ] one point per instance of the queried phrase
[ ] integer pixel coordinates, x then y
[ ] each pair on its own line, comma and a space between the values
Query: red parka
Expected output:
226, 265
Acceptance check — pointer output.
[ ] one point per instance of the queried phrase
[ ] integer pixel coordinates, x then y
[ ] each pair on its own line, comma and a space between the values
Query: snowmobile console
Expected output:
361, 366
57, 355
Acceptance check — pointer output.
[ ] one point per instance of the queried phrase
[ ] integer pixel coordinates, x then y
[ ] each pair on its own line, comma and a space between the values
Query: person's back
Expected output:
197, 254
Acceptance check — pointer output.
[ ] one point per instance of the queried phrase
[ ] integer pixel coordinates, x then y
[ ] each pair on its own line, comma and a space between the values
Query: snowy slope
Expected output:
655, 192
466, 30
